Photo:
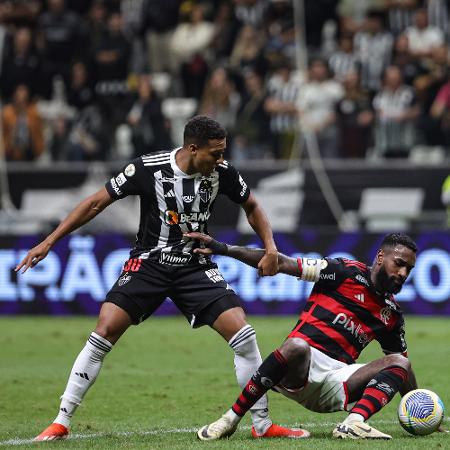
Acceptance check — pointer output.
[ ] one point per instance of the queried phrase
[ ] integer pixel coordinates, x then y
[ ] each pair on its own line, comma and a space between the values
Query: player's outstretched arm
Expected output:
81, 214
249, 256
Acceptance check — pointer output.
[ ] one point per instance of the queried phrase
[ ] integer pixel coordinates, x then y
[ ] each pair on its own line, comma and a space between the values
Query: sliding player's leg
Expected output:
370, 388
288, 363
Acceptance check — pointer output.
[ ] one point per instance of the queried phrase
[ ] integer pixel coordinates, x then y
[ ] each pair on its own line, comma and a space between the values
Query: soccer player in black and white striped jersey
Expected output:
177, 190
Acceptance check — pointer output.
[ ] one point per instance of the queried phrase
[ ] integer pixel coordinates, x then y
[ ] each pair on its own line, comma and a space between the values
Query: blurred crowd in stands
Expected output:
109, 80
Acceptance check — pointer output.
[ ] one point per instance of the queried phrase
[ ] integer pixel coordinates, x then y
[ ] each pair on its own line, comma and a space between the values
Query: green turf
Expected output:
164, 380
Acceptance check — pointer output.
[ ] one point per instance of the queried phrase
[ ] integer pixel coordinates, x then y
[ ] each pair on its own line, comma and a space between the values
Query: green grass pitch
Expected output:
164, 380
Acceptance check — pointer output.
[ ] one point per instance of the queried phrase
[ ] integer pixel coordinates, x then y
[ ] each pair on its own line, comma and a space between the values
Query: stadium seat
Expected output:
390, 209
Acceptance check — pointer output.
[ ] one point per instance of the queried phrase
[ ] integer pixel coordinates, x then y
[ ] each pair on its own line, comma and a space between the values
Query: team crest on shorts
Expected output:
130, 170
124, 279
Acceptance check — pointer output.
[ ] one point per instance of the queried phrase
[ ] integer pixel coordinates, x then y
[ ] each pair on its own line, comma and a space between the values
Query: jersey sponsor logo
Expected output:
188, 198
120, 179
214, 275
130, 170
355, 328
385, 315
115, 186
328, 276
124, 279
243, 185
176, 218
362, 280
205, 191
174, 259
359, 297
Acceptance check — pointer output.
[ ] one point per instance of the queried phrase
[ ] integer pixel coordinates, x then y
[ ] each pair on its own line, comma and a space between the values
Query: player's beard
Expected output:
386, 283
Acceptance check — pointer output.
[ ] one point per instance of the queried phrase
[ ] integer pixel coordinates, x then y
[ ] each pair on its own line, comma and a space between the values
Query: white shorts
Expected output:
326, 388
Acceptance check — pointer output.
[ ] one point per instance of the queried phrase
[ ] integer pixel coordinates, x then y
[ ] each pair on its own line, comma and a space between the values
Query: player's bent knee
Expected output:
294, 349
398, 360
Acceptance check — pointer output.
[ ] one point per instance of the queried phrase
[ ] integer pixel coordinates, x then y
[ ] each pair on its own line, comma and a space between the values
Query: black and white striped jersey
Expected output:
173, 203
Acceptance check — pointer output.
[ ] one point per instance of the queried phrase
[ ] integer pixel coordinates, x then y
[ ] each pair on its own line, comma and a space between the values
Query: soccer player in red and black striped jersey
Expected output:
350, 305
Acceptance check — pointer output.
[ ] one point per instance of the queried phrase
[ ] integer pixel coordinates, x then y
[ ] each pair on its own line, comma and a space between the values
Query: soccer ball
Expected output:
420, 412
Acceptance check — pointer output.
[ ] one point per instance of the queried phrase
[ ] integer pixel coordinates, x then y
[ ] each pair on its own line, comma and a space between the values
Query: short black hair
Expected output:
393, 239
200, 129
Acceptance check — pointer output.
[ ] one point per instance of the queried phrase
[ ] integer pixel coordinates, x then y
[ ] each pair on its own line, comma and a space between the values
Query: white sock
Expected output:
84, 372
247, 360
354, 417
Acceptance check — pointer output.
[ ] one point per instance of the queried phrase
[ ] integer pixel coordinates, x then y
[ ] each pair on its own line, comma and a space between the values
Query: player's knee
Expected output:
398, 360
295, 349
108, 331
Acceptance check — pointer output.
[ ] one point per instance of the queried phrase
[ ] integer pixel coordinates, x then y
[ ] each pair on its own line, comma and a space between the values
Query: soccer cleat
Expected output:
275, 431
219, 429
54, 432
358, 430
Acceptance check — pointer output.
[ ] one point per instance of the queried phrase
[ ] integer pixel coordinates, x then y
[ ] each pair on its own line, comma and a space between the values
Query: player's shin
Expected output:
84, 372
247, 359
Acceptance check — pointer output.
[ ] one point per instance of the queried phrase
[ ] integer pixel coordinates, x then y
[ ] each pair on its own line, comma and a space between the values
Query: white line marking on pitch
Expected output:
76, 436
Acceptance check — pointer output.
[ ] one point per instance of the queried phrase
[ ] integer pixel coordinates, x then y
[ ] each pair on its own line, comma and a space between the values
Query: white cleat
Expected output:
358, 430
219, 429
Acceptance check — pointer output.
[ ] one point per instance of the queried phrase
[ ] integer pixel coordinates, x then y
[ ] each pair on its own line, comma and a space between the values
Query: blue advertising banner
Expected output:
79, 270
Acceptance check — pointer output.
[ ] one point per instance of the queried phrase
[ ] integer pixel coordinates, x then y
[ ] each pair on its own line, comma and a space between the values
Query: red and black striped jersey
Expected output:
344, 313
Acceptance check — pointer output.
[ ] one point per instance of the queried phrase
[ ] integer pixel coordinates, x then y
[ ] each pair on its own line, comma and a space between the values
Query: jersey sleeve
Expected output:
130, 180
333, 274
232, 184
394, 341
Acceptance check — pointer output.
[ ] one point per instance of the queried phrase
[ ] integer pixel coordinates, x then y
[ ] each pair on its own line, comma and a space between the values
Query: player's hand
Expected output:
35, 255
211, 246
268, 265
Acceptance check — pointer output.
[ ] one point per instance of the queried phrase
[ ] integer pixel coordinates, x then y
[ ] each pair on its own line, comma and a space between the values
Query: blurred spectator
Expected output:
22, 127
281, 45
80, 92
96, 23
111, 68
160, 17
247, 50
343, 60
251, 139
61, 38
354, 117
281, 105
220, 99
112, 54
317, 103
400, 15
59, 144
434, 74
20, 65
189, 45
373, 48
396, 112
226, 28
404, 60
422, 37
150, 131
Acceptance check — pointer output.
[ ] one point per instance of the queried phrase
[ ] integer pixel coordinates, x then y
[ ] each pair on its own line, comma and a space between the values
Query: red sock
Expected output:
380, 391
269, 374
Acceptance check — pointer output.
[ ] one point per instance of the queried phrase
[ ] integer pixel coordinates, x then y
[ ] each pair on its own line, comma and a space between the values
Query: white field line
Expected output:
77, 436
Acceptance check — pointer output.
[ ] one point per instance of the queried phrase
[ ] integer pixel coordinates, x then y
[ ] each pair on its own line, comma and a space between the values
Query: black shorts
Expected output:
198, 291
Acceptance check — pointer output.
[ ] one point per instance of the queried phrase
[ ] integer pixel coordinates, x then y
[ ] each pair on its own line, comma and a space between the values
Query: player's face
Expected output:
394, 266
209, 156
